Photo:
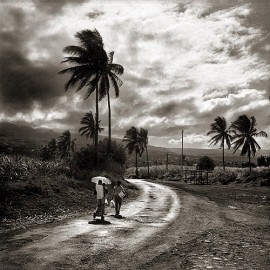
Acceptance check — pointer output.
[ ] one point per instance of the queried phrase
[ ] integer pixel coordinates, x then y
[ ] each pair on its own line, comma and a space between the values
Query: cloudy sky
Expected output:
186, 62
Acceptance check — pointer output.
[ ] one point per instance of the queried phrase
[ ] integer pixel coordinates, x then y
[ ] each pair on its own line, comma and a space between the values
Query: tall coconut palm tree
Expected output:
133, 144
89, 126
109, 79
245, 131
144, 141
89, 61
222, 134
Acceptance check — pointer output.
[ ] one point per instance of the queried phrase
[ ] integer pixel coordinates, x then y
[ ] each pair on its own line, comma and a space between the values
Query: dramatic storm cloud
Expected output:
186, 62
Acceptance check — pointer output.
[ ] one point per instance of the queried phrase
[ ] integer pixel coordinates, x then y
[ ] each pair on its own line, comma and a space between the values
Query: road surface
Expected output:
144, 232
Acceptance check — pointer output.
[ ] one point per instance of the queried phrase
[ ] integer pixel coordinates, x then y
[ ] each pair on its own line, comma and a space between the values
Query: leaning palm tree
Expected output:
109, 79
89, 61
222, 135
143, 134
89, 126
245, 131
133, 144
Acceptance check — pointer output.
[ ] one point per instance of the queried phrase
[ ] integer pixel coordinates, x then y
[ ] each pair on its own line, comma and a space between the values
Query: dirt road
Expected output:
77, 244
165, 228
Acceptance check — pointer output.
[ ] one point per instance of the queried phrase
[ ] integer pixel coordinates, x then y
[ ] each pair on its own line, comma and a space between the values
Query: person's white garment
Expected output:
100, 192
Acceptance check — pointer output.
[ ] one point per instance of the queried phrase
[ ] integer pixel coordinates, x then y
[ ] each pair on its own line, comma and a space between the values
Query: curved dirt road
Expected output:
126, 243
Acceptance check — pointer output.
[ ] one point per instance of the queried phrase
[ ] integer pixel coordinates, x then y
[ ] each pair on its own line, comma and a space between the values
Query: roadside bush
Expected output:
261, 161
117, 153
258, 178
111, 166
206, 163
224, 178
246, 165
83, 160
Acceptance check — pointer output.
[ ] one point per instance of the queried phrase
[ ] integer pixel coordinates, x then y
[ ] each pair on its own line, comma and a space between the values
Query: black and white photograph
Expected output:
134, 135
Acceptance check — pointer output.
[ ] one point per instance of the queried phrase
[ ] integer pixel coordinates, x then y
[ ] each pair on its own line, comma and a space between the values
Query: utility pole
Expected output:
182, 152
167, 161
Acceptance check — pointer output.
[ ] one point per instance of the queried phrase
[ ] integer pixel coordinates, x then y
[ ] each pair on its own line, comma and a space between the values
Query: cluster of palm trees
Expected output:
240, 133
93, 69
137, 141
64, 147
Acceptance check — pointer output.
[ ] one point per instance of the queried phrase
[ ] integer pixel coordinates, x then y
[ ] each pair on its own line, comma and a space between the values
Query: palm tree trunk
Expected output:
110, 130
136, 164
96, 132
249, 160
223, 159
147, 161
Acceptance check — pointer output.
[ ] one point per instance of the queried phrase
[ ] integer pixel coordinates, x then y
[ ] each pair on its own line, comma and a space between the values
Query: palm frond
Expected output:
110, 57
214, 140
78, 68
115, 85
116, 68
89, 38
103, 86
75, 50
245, 149
117, 80
261, 134
92, 86
228, 140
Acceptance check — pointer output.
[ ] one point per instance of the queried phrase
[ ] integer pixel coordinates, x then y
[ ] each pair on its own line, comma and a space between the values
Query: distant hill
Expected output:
12, 130
27, 140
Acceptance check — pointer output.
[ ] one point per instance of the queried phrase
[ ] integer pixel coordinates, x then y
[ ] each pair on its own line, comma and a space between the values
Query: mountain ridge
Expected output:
11, 130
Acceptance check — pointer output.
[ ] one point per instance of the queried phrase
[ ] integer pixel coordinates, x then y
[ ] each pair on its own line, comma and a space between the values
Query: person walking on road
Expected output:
118, 195
99, 192
105, 199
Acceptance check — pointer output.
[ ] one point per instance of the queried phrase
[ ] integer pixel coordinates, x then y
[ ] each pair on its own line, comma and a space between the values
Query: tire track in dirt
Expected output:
78, 245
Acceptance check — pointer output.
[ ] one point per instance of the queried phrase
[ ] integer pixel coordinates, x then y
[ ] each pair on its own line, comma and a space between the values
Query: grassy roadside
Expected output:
34, 192
49, 200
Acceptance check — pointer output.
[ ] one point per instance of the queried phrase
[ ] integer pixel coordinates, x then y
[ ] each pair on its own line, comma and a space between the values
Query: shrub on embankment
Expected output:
257, 177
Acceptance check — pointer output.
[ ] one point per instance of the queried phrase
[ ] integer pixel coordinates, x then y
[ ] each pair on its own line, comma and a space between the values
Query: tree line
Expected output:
240, 134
